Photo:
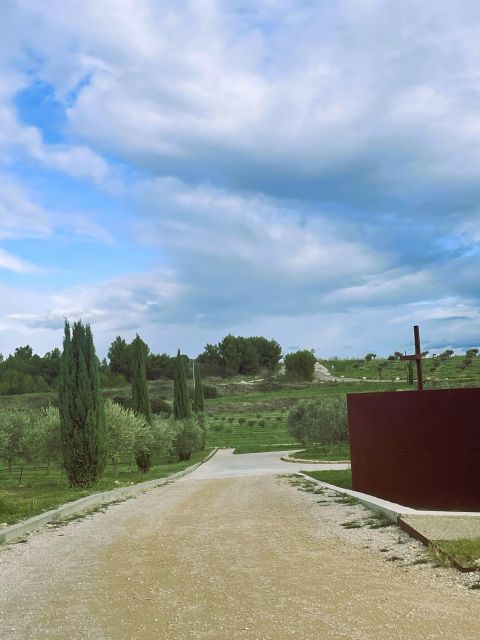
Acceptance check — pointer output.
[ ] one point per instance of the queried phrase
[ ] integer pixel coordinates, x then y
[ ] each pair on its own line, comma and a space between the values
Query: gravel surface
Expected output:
247, 557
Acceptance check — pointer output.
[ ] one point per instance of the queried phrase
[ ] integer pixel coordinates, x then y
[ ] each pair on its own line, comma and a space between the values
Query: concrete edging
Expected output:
20, 529
390, 510
304, 461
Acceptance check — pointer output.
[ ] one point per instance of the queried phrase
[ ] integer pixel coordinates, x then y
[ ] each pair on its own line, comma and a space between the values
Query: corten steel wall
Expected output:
419, 448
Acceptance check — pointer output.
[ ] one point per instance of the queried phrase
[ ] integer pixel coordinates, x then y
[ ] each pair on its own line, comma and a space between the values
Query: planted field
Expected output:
454, 368
33, 489
253, 431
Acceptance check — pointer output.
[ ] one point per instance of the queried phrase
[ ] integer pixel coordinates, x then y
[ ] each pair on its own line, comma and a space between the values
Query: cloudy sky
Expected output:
307, 170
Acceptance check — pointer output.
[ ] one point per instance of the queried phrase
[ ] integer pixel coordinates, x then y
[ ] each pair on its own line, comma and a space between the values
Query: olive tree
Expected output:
322, 421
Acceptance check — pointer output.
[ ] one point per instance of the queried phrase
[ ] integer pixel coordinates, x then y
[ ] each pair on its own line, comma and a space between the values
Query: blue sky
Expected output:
307, 171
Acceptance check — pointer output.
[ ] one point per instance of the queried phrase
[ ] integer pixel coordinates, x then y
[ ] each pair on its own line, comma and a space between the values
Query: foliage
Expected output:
120, 356
181, 402
187, 437
209, 391
82, 418
322, 421
160, 407
13, 424
370, 356
43, 439
236, 355
123, 425
198, 399
140, 399
300, 365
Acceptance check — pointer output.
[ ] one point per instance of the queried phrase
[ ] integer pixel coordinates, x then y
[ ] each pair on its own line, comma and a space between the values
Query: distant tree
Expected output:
160, 366
82, 418
398, 354
471, 353
269, 352
120, 356
392, 358
181, 402
446, 354
425, 354
300, 365
370, 356
231, 355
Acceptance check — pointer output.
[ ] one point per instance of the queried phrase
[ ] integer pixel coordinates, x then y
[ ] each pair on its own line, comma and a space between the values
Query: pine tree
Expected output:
198, 399
181, 401
140, 399
82, 418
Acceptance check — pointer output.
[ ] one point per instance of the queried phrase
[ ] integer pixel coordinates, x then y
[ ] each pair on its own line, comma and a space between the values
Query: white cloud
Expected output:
12, 263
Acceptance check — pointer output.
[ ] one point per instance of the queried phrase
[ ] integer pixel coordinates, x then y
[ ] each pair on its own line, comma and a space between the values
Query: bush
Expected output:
322, 421
262, 422
300, 365
209, 391
187, 437
160, 407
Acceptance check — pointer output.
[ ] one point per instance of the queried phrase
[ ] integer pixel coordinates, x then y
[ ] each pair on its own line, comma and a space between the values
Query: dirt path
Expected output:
243, 557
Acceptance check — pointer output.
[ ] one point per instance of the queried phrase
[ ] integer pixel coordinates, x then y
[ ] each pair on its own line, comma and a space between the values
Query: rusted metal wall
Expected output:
419, 448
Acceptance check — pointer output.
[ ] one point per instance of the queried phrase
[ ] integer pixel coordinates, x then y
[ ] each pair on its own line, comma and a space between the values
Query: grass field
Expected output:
334, 452
337, 477
41, 489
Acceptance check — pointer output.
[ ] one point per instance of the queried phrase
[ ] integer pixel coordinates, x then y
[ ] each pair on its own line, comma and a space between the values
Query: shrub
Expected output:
187, 437
262, 422
209, 391
322, 420
242, 420
160, 407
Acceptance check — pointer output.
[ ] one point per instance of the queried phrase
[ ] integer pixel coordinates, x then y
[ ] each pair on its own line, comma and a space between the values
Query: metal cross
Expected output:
417, 356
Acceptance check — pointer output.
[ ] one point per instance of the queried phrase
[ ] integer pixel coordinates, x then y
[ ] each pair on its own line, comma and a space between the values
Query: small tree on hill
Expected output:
82, 418
181, 401
300, 365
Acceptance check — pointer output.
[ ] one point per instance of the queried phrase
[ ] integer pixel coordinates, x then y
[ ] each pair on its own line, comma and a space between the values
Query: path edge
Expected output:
21, 529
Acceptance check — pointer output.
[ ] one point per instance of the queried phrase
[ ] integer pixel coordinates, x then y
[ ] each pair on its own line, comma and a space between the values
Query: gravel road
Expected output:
247, 556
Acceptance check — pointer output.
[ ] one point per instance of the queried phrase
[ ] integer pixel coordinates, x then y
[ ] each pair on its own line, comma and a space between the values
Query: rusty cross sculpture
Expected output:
417, 356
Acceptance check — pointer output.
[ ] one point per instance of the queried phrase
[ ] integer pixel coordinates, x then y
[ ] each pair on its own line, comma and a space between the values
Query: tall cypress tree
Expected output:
181, 401
141, 404
82, 418
140, 399
198, 399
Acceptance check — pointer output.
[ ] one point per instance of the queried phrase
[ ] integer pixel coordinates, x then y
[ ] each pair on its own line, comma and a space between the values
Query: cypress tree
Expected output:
140, 399
181, 401
141, 405
198, 399
82, 418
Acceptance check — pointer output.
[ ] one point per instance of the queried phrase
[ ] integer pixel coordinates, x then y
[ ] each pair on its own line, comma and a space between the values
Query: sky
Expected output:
306, 170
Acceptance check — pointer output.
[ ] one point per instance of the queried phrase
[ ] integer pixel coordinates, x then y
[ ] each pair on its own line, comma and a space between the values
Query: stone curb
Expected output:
20, 529
304, 461
391, 510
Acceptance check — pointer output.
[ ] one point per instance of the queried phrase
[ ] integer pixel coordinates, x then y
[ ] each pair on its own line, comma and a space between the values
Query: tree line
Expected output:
84, 431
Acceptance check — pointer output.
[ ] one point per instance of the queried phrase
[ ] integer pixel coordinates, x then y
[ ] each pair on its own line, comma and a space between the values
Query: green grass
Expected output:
340, 478
464, 551
41, 490
310, 391
335, 452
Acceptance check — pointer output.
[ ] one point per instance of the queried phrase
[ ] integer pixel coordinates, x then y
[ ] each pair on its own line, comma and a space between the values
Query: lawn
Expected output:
340, 478
464, 552
42, 489
334, 452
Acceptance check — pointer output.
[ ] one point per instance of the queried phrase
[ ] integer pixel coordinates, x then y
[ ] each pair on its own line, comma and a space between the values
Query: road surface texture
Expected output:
222, 556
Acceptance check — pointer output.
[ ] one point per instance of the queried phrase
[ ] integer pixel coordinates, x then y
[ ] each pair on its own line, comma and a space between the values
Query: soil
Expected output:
242, 558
